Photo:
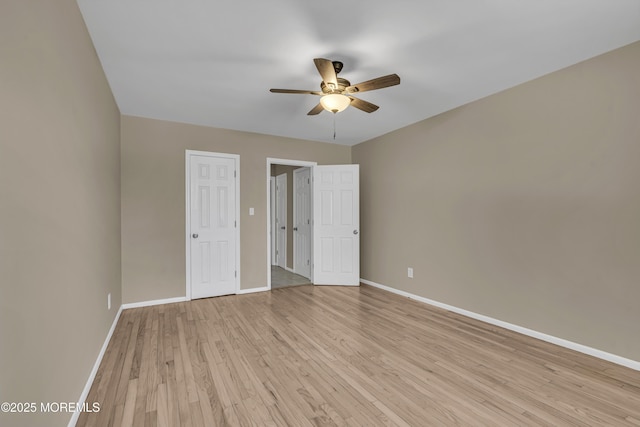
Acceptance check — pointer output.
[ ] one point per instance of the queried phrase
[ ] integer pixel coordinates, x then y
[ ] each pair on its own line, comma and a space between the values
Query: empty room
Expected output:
418, 213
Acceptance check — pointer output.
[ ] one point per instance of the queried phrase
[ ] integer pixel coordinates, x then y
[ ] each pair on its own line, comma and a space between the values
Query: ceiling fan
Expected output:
336, 92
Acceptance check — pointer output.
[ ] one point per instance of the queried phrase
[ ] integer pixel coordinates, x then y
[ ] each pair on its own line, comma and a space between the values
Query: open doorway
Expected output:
333, 256
290, 226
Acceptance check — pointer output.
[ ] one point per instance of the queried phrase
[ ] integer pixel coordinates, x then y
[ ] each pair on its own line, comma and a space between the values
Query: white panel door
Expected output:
272, 207
281, 220
213, 226
336, 238
302, 222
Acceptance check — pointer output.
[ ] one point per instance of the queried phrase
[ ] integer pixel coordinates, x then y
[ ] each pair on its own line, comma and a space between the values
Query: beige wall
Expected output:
523, 206
59, 206
153, 223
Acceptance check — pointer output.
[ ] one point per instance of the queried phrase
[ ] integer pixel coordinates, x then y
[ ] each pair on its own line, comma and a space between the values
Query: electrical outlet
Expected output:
109, 301
410, 272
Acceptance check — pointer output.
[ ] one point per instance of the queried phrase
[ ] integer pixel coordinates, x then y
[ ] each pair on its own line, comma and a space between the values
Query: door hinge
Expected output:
235, 224
308, 181
235, 273
234, 174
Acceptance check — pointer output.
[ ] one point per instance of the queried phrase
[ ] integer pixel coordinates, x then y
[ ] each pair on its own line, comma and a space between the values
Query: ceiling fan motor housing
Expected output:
342, 85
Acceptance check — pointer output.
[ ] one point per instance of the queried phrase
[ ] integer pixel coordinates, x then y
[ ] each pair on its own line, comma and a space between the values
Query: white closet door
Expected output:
213, 226
302, 222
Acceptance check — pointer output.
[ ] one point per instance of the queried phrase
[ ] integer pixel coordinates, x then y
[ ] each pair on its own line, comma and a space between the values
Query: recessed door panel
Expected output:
223, 207
222, 259
204, 204
326, 212
346, 207
327, 254
346, 255
205, 262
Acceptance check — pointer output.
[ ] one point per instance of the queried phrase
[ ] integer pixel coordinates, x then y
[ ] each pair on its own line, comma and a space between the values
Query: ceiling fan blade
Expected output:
326, 70
304, 92
365, 106
316, 110
379, 83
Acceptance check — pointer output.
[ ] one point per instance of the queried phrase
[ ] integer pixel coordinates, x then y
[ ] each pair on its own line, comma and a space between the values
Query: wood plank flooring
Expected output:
308, 356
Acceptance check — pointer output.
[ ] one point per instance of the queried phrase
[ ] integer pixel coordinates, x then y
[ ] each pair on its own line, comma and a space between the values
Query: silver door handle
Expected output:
355, 231
194, 235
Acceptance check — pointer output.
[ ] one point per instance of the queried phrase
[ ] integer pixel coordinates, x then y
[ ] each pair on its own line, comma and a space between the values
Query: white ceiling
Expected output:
212, 62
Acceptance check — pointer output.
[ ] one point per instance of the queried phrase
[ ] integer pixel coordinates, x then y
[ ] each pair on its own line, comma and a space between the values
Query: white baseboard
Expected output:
290, 270
153, 302
619, 360
94, 371
252, 290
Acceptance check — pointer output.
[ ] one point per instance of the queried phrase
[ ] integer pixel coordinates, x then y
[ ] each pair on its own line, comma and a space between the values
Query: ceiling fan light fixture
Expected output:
335, 102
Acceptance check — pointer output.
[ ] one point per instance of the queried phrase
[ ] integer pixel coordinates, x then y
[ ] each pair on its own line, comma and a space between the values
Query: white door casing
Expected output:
212, 225
281, 220
336, 230
302, 222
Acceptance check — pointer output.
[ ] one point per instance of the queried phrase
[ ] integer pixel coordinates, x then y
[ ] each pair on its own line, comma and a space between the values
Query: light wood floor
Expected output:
309, 355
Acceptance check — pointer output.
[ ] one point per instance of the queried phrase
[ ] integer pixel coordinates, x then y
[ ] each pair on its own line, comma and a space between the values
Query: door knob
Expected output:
194, 235
283, 227
295, 228
355, 231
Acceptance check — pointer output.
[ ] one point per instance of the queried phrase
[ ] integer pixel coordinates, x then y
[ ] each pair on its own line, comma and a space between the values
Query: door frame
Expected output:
187, 168
287, 162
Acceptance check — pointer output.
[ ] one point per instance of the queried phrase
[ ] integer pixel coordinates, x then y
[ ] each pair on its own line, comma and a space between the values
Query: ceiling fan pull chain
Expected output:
334, 126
